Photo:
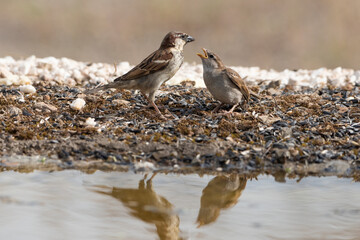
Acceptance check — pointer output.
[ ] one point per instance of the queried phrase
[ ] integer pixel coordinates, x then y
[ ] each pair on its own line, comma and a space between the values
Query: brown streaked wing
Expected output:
239, 82
156, 61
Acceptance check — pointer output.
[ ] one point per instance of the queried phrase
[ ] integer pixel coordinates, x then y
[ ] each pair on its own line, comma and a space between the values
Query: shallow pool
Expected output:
116, 205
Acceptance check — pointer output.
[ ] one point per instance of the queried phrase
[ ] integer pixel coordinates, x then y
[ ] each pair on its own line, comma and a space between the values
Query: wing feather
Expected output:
239, 82
156, 61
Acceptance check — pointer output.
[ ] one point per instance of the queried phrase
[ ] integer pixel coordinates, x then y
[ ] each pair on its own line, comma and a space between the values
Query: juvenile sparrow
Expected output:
224, 83
154, 70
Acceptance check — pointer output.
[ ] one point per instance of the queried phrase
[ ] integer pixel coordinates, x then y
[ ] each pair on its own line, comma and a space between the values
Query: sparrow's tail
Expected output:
96, 89
104, 87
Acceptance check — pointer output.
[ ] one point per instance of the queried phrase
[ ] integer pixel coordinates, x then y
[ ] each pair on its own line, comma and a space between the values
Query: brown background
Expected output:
267, 33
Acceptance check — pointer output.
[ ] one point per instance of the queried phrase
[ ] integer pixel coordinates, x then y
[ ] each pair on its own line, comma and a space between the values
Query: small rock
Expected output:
230, 139
27, 89
342, 109
62, 154
26, 112
280, 123
14, 111
268, 119
348, 86
24, 80
281, 154
45, 107
246, 153
337, 166
199, 139
5, 73
90, 122
46, 98
274, 92
80, 95
120, 102
78, 104
274, 85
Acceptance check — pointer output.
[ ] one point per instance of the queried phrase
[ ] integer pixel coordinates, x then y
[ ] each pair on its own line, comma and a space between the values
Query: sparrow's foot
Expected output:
162, 117
169, 114
217, 108
157, 110
233, 108
244, 106
228, 113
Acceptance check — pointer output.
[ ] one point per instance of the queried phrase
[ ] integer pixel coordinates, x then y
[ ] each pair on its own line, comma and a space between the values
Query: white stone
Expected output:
27, 89
63, 71
78, 104
90, 122
5, 73
24, 80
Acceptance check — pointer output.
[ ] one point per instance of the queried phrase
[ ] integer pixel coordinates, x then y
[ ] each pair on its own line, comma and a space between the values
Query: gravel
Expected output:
304, 128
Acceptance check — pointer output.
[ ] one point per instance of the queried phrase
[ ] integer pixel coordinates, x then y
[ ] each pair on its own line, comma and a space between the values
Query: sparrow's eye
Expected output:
211, 56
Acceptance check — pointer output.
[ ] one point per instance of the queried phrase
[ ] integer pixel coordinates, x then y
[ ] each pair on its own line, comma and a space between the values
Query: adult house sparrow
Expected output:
154, 70
224, 83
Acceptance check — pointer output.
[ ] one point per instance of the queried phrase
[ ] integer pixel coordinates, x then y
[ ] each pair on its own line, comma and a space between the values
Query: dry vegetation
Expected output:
306, 132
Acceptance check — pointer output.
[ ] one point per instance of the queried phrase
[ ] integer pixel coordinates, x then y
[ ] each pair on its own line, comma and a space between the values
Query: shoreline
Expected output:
298, 130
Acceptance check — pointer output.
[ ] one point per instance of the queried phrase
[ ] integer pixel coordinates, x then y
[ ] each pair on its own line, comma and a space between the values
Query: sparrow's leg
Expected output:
229, 113
150, 99
217, 108
232, 109
244, 105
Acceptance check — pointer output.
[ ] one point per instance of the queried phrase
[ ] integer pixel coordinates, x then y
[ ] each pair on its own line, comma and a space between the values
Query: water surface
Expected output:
75, 205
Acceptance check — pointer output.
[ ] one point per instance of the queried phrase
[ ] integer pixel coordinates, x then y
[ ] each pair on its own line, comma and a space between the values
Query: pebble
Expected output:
78, 104
27, 89
65, 71
120, 102
5, 73
14, 111
45, 107
26, 112
90, 122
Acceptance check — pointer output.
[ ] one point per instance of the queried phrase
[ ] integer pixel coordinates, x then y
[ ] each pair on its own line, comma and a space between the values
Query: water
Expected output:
75, 205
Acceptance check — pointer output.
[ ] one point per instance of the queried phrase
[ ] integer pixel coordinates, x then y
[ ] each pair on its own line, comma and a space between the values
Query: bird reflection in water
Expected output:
145, 204
222, 192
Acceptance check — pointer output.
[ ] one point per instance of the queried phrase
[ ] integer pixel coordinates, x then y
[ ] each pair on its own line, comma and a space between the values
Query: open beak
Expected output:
190, 39
205, 56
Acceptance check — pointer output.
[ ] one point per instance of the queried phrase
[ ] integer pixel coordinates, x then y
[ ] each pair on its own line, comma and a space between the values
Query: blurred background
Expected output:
267, 33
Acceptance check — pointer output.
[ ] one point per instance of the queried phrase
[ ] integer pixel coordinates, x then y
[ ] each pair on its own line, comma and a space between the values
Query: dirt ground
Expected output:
307, 132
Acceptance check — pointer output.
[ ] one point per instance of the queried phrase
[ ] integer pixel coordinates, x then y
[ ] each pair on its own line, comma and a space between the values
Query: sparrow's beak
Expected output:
190, 39
205, 56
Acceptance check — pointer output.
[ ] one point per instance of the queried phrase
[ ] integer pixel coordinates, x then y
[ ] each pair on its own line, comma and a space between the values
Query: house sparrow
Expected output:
224, 83
154, 70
